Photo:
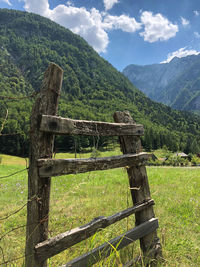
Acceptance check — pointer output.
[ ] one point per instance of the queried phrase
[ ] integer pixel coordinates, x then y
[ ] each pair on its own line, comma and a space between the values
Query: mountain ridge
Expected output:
171, 83
92, 88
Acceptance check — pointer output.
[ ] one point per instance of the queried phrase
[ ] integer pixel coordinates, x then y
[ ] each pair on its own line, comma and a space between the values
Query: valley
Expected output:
92, 89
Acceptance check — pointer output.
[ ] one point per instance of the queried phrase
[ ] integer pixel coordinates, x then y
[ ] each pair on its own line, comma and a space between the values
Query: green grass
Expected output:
162, 153
12, 160
77, 199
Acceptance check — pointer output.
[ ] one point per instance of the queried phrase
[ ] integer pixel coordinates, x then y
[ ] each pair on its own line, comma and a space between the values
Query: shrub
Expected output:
176, 161
195, 161
95, 153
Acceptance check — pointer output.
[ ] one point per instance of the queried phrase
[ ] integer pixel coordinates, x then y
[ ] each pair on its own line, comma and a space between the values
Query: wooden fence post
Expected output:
41, 146
140, 191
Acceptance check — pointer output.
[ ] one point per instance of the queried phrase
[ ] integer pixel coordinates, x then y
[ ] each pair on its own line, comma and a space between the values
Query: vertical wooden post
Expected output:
41, 146
140, 191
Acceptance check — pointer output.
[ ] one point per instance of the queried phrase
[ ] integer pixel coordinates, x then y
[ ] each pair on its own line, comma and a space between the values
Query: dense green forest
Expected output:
92, 89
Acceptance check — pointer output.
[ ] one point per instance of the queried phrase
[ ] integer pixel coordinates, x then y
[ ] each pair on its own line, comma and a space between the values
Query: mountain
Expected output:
176, 83
92, 89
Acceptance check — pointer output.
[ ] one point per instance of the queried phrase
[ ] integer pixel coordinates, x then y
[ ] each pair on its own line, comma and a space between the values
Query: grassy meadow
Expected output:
77, 199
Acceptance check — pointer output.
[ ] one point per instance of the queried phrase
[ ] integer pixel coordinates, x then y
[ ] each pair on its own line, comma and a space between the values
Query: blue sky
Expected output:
126, 31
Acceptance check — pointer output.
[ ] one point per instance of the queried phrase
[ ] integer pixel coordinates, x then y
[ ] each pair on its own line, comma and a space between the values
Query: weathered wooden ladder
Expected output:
44, 124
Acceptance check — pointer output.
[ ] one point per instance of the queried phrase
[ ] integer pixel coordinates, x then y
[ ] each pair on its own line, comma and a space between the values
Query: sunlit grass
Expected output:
12, 160
77, 199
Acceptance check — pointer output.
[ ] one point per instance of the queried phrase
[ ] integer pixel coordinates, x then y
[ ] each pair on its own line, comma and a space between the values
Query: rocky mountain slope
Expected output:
176, 83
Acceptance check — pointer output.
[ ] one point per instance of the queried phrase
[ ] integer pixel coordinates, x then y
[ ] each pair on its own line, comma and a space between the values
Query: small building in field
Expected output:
182, 155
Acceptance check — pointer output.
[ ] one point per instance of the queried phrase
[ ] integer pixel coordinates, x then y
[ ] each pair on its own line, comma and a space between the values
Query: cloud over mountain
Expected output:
182, 52
87, 24
94, 25
90, 24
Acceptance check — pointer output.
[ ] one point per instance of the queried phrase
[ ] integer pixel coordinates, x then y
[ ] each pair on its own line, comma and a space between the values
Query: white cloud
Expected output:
182, 52
109, 3
196, 13
123, 22
93, 25
157, 27
87, 24
69, 3
40, 7
184, 22
196, 34
90, 24
7, 2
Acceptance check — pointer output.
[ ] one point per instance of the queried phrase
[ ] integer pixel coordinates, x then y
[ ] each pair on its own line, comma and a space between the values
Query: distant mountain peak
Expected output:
174, 59
174, 83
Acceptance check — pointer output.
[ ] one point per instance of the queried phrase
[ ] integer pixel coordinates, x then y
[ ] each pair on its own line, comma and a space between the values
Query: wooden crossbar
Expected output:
43, 128
119, 242
59, 125
56, 167
57, 244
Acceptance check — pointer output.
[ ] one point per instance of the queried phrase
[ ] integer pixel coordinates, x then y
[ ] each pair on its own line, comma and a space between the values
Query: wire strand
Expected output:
16, 211
19, 98
6, 176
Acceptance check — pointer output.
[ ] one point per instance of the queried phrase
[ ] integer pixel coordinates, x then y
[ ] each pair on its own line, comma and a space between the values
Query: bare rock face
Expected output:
176, 83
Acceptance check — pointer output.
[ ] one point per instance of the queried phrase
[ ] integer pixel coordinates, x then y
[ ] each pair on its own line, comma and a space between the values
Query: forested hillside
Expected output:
92, 88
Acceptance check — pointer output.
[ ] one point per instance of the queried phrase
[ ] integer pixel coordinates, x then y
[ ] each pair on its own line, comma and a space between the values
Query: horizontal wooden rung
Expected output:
59, 125
57, 244
119, 242
57, 167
